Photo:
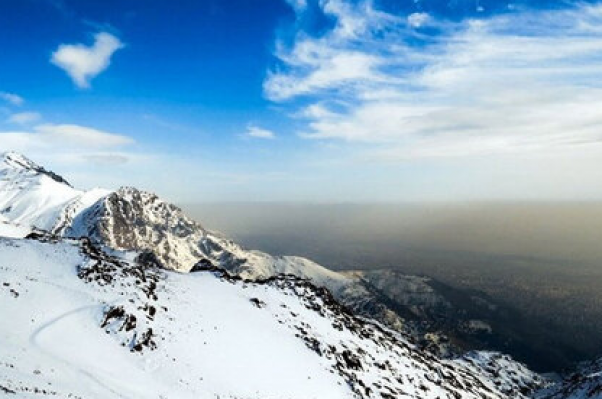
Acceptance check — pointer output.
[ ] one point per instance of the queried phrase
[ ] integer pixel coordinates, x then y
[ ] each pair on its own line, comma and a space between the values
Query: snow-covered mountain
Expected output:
130, 219
33, 196
78, 322
134, 220
119, 294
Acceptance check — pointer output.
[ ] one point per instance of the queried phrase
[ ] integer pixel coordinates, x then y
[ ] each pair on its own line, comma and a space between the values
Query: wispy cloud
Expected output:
82, 136
70, 144
63, 137
107, 159
12, 98
418, 19
259, 133
524, 81
24, 118
81, 62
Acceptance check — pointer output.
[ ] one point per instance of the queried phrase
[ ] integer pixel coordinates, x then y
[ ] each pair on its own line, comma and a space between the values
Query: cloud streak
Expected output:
69, 144
76, 135
259, 133
82, 63
63, 137
521, 82
24, 118
12, 98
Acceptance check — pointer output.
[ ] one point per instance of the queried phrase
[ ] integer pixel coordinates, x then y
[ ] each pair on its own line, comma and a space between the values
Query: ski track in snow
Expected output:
55, 322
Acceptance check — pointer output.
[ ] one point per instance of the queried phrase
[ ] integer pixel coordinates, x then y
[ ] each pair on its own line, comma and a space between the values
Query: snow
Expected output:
502, 372
212, 335
221, 343
8, 229
29, 195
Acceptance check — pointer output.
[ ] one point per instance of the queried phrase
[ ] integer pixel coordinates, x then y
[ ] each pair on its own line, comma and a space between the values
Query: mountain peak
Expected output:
18, 161
15, 161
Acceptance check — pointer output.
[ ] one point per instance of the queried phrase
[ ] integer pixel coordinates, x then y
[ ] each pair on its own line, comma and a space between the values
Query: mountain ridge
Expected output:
141, 229
112, 315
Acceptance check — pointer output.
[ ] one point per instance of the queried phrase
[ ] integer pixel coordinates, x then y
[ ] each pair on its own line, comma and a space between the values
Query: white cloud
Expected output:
418, 19
259, 133
330, 69
12, 98
332, 61
522, 82
82, 152
81, 62
23, 118
81, 136
61, 138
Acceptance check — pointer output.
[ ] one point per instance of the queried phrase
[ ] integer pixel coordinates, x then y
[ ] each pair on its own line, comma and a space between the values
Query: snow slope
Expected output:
31, 195
8, 229
53, 340
80, 323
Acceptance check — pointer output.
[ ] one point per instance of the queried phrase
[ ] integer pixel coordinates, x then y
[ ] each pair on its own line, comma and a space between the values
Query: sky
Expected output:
303, 100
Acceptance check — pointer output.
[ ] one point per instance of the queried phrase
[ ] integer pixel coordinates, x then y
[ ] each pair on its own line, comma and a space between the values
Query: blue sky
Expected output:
300, 100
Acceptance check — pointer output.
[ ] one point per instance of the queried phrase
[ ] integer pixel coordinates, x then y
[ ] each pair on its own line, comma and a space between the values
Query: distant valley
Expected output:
542, 296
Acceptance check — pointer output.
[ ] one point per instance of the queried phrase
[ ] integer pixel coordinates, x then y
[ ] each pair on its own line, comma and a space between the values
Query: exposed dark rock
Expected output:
202, 265
6, 390
257, 302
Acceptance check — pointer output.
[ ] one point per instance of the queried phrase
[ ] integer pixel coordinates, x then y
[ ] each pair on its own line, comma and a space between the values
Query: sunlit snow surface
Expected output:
212, 336
30, 195
215, 340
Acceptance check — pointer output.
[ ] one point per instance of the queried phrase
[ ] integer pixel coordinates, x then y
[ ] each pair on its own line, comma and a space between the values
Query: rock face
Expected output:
134, 220
129, 219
